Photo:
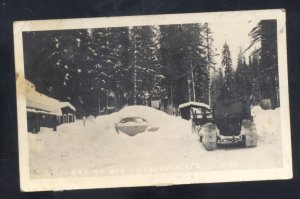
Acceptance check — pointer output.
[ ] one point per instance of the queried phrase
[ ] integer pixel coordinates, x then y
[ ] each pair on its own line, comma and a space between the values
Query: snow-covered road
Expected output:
97, 149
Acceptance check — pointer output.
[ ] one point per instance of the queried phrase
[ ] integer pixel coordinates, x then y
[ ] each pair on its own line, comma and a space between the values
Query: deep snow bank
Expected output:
153, 116
156, 118
97, 146
266, 121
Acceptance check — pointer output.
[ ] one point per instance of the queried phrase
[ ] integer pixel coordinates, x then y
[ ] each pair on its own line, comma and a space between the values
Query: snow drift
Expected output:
171, 148
266, 121
156, 118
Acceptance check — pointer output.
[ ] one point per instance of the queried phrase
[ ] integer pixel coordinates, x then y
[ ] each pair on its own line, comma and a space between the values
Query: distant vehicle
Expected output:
185, 108
132, 125
229, 121
199, 113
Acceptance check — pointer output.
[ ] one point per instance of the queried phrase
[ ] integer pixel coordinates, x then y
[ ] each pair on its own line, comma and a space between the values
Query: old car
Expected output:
229, 121
132, 125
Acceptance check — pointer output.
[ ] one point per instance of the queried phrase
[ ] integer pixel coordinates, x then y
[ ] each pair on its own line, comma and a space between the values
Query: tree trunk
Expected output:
193, 81
189, 87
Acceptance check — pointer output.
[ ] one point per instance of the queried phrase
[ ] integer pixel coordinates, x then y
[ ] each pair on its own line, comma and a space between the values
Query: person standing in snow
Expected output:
83, 119
55, 122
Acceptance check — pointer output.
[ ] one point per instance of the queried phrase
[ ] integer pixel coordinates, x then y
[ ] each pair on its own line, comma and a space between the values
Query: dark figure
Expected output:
55, 123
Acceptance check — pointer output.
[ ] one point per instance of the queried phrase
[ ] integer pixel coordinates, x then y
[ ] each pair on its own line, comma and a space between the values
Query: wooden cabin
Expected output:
68, 112
185, 109
44, 111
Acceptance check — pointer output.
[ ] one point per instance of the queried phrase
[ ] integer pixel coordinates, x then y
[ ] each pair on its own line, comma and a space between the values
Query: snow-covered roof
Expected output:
32, 110
43, 103
67, 104
195, 104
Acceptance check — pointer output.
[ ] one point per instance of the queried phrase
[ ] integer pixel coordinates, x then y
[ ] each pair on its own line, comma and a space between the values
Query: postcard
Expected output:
152, 100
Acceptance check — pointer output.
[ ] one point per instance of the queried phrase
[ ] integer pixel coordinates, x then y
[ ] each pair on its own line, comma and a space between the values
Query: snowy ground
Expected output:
97, 149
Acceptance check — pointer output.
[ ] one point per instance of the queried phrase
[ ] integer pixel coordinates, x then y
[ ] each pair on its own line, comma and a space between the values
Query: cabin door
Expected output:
70, 117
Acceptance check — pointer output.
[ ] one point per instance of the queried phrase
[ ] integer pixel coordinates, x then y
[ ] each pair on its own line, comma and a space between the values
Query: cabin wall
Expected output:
37, 120
68, 115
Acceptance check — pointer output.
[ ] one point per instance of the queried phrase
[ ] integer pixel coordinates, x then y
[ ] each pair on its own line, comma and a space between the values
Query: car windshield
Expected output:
133, 119
140, 120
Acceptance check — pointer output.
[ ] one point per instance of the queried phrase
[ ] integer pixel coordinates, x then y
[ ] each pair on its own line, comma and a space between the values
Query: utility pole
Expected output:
193, 80
134, 68
189, 87
106, 112
189, 75
172, 93
208, 65
99, 103
134, 84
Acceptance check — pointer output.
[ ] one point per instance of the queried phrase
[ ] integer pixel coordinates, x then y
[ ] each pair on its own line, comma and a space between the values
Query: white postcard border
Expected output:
160, 179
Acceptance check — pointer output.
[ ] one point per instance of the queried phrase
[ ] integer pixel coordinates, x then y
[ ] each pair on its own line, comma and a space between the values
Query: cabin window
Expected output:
65, 118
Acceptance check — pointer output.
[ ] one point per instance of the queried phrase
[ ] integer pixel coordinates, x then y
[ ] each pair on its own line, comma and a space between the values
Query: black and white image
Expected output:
152, 100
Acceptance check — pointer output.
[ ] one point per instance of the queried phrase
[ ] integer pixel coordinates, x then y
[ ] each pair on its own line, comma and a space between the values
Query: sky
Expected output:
235, 33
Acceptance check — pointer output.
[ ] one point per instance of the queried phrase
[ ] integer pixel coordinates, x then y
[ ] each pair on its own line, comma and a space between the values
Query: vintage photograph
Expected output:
152, 100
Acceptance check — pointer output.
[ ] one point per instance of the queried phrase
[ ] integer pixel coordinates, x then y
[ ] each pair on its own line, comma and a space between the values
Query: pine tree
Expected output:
91, 66
172, 59
197, 65
243, 77
239, 75
60, 54
158, 87
229, 73
109, 71
217, 81
255, 77
265, 34
120, 64
184, 59
210, 55
145, 64
99, 72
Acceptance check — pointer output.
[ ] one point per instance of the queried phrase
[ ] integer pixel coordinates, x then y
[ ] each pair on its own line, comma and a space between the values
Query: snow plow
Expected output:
229, 122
